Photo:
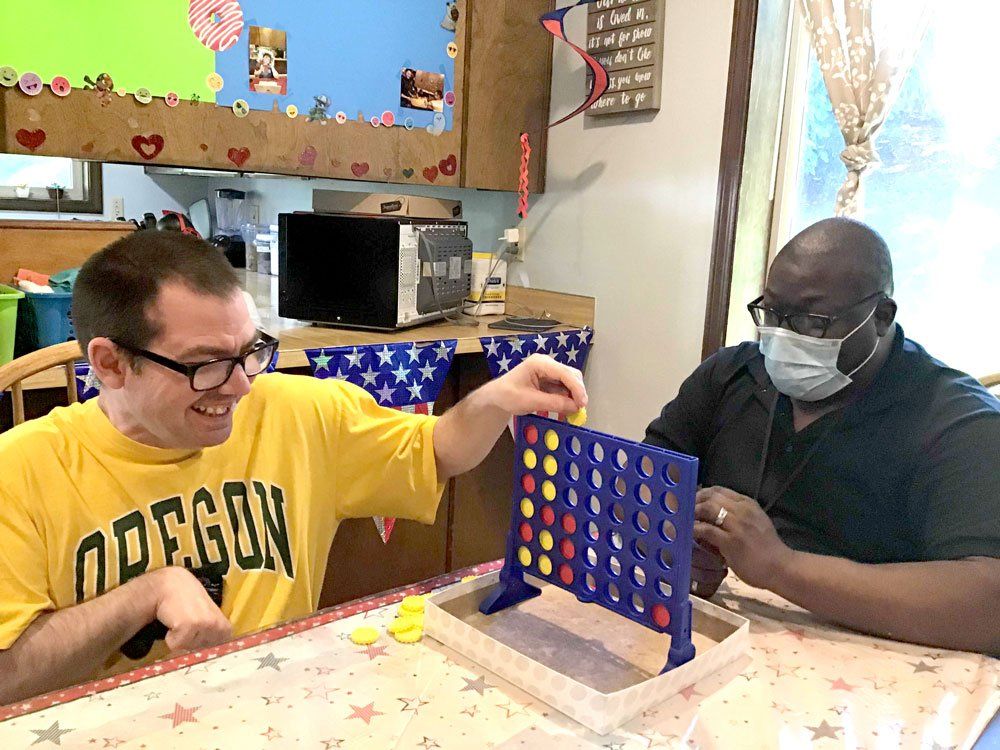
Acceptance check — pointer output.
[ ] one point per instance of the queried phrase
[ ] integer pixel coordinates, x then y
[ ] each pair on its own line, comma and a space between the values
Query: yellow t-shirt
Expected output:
84, 508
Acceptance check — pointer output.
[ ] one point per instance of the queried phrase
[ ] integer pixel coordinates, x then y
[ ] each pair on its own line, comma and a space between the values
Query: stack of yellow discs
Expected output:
578, 418
408, 627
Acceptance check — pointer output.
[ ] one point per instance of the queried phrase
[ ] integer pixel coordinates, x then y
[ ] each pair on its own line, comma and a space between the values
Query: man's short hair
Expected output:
118, 285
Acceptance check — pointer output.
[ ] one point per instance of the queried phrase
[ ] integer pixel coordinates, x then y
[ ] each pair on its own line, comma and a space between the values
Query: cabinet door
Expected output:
508, 81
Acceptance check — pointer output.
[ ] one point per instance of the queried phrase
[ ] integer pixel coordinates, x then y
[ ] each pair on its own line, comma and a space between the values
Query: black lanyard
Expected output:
766, 452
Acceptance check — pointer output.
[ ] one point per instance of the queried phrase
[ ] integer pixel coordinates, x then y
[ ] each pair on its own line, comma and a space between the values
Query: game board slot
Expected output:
617, 513
668, 531
643, 493
597, 453
620, 460
641, 521
646, 467
670, 502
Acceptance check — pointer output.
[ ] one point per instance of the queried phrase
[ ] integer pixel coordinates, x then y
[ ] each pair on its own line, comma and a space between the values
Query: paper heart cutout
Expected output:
30, 139
203, 146
449, 165
360, 169
407, 173
308, 156
387, 171
87, 147
148, 148
238, 156
430, 173
335, 163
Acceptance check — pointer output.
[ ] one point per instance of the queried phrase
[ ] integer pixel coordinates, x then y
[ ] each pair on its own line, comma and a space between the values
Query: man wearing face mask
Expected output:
842, 467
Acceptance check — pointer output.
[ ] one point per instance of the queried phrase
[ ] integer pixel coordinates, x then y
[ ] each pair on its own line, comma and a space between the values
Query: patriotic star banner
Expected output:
555, 24
406, 376
504, 353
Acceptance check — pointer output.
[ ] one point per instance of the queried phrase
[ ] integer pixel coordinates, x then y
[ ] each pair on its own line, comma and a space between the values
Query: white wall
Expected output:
628, 213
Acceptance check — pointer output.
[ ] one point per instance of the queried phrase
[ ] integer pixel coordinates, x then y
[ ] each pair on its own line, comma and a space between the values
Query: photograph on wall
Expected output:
419, 89
268, 61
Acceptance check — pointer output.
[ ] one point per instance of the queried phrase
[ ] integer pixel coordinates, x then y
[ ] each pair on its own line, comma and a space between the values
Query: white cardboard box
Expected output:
595, 666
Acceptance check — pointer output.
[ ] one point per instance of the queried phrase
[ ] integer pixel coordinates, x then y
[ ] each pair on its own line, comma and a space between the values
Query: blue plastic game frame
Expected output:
628, 545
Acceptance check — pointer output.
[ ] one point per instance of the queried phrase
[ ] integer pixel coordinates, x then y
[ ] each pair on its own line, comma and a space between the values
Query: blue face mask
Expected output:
804, 367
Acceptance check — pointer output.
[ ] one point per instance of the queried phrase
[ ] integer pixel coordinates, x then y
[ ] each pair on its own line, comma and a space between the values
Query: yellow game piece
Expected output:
545, 539
524, 556
402, 624
578, 418
548, 490
409, 636
527, 508
414, 604
550, 465
530, 459
364, 636
545, 565
551, 440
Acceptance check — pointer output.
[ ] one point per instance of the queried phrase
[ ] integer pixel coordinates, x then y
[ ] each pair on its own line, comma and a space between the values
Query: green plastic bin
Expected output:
8, 321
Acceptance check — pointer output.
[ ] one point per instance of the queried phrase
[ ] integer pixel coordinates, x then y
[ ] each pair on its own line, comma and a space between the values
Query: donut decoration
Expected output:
216, 23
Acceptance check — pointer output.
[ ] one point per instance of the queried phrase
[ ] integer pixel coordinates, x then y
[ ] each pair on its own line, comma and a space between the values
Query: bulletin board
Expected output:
339, 58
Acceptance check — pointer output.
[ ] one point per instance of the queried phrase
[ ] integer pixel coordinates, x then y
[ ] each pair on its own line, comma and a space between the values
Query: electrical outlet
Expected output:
517, 251
118, 208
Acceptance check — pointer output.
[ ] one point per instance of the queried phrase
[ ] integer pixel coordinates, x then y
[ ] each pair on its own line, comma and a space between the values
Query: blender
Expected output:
230, 216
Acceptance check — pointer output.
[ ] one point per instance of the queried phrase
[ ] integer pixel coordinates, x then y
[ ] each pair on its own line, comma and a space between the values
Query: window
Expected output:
936, 196
52, 184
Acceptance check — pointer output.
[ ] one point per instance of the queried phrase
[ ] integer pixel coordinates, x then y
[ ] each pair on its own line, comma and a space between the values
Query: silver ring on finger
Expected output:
720, 519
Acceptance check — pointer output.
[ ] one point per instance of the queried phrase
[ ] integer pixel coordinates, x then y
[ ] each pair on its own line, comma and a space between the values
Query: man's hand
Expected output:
188, 612
708, 570
539, 383
745, 538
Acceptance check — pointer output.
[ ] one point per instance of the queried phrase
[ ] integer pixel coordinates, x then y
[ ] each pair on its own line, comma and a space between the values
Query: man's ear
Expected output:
108, 362
885, 315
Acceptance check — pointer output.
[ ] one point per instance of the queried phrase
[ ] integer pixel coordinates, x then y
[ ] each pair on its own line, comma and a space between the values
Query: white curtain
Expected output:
863, 67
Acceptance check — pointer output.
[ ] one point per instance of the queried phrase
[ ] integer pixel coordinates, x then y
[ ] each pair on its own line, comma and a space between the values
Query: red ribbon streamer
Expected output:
522, 185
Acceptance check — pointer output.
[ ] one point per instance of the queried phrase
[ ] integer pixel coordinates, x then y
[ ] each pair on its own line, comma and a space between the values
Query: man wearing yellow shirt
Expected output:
187, 460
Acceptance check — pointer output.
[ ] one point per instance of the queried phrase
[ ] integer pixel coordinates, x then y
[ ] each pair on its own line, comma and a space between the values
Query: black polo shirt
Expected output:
909, 471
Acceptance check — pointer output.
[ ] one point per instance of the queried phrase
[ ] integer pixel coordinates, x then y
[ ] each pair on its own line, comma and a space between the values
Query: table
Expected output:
305, 685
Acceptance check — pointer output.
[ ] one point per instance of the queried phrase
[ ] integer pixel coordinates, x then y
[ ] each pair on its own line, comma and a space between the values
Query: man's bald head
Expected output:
843, 252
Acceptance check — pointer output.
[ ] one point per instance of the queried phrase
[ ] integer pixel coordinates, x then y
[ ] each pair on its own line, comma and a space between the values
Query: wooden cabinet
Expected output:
502, 73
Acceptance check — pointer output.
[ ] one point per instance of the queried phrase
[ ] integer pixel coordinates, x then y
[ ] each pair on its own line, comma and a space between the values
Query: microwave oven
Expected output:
370, 271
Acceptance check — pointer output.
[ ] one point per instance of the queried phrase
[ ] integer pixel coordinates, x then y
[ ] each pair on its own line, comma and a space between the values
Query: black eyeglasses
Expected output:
807, 324
205, 376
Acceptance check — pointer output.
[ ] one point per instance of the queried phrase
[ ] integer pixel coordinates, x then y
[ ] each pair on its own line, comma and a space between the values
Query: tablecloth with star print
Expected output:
306, 685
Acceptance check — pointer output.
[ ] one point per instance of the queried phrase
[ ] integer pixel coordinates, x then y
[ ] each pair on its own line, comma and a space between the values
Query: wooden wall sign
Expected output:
626, 37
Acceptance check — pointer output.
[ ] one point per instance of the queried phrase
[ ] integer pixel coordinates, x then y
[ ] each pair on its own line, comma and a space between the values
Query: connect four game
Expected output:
609, 520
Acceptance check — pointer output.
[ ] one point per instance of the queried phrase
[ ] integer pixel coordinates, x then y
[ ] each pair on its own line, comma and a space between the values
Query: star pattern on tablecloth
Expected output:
112, 742
512, 708
318, 691
478, 685
922, 666
823, 729
689, 692
331, 744
412, 704
272, 661
52, 734
470, 710
373, 651
427, 743
840, 684
180, 715
272, 734
365, 713
272, 700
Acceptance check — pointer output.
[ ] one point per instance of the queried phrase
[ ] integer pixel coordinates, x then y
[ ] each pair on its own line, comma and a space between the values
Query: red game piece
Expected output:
531, 434
568, 523
528, 483
526, 533
548, 515
567, 548
660, 615
566, 573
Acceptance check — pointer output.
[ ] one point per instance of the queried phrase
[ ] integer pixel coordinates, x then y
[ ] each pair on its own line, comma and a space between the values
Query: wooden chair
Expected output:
12, 373
991, 381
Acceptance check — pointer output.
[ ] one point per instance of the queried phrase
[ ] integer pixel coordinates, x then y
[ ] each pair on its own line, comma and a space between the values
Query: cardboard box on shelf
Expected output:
388, 204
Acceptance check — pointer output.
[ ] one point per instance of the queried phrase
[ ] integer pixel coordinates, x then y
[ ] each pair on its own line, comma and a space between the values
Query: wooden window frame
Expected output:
93, 203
